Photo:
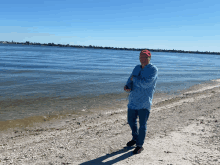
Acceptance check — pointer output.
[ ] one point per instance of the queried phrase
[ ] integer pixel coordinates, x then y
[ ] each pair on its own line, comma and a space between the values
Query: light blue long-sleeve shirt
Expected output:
142, 87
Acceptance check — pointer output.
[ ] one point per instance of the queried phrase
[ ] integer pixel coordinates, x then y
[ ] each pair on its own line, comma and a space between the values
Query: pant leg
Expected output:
132, 121
143, 117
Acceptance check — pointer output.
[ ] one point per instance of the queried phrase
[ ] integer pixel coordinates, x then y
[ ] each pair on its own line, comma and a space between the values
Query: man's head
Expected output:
145, 57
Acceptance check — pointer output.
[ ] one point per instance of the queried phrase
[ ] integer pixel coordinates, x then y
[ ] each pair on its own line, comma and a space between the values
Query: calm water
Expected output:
35, 79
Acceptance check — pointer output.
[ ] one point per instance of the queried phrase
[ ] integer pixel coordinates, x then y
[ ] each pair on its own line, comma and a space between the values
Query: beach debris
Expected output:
6, 158
167, 152
61, 157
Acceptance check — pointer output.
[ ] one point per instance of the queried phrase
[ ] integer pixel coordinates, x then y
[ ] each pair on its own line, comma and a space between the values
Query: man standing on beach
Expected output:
141, 85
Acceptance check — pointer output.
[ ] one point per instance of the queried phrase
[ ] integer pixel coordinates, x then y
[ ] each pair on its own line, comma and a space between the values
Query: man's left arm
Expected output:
146, 80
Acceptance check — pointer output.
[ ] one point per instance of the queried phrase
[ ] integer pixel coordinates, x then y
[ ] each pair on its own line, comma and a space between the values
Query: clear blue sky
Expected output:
163, 24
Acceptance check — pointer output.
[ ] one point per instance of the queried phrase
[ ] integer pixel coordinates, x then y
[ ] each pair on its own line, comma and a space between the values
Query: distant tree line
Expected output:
113, 48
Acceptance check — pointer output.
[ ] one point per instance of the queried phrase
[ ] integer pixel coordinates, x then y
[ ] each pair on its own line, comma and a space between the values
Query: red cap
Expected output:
146, 53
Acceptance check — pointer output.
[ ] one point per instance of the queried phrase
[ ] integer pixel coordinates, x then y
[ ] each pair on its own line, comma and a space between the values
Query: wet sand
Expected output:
183, 129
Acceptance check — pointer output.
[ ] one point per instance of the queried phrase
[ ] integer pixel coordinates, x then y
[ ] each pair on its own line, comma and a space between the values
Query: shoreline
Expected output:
181, 130
99, 105
111, 48
116, 105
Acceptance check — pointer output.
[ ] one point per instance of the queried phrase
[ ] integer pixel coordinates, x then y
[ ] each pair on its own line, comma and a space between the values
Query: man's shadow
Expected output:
99, 160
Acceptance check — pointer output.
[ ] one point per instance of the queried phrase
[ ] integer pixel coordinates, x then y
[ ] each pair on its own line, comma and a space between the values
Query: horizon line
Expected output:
114, 48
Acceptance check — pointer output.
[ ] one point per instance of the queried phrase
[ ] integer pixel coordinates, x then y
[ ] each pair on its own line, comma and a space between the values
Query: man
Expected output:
141, 85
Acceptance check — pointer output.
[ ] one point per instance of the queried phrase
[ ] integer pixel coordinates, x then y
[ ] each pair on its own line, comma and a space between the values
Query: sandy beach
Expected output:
182, 130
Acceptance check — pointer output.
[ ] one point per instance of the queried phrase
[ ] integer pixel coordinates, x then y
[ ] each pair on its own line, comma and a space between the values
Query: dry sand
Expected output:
184, 129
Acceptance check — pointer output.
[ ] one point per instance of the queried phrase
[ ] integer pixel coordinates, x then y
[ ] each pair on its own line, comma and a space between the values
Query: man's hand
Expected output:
132, 78
127, 90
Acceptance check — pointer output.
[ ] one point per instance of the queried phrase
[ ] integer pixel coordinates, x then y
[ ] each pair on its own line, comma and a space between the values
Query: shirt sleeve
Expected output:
135, 72
146, 80
129, 82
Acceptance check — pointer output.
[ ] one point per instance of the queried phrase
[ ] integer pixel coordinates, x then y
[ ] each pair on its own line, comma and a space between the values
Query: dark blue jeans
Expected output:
138, 134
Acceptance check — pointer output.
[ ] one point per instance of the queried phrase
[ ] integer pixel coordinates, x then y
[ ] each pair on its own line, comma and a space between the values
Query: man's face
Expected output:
144, 60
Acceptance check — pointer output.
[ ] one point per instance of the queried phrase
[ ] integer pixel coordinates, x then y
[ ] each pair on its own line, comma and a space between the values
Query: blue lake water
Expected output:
33, 76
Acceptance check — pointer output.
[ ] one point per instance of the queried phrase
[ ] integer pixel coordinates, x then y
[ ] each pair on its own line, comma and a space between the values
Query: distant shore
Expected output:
112, 48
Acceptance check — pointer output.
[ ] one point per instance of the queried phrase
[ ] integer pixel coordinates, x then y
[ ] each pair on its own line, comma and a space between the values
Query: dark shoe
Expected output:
131, 143
138, 150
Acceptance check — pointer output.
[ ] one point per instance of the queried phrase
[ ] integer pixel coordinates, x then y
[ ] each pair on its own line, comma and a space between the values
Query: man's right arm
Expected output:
135, 72
129, 82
